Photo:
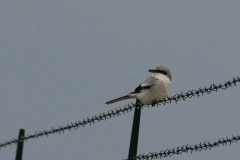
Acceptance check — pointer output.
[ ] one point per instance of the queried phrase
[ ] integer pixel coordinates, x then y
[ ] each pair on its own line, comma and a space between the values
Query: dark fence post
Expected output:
20, 145
135, 131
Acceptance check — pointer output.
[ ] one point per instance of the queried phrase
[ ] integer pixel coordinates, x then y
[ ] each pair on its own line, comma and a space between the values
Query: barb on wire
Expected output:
126, 109
185, 148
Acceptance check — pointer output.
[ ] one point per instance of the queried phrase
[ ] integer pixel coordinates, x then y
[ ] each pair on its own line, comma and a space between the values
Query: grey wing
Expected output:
147, 84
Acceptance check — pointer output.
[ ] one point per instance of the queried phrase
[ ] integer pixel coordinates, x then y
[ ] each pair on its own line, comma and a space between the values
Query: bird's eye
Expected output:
160, 71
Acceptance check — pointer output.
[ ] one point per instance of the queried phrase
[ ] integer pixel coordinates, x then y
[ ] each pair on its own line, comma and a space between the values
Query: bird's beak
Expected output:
151, 70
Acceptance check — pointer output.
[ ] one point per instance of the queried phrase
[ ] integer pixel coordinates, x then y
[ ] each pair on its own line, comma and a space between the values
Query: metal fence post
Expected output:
20, 145
135, 131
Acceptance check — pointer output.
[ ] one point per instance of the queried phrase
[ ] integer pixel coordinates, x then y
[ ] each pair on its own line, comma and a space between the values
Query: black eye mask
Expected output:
160, 71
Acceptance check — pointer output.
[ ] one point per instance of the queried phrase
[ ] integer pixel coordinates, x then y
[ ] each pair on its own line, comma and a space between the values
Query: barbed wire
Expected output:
200, 91
185, 148
126, 109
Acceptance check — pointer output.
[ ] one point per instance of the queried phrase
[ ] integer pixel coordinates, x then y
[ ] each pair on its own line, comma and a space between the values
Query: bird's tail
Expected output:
119, 99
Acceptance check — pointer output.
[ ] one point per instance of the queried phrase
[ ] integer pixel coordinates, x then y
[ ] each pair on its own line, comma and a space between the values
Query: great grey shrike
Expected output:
153, 89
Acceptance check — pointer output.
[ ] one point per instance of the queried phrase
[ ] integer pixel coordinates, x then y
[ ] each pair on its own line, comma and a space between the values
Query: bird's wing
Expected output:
147, 84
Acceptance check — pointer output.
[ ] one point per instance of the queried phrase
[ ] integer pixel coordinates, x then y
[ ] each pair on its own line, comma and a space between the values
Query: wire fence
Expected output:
184, 149
126, 109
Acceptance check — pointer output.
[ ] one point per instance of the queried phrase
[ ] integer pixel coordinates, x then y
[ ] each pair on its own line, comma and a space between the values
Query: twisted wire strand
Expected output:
185, 148
126, 109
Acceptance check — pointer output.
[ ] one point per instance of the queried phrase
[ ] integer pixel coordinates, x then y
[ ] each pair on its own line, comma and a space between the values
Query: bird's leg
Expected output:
154, 102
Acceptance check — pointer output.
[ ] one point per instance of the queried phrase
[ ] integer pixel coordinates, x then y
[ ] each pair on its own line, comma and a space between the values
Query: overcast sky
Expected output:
60, 61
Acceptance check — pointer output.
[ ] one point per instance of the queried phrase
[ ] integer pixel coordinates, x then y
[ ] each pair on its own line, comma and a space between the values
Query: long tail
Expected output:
119, 99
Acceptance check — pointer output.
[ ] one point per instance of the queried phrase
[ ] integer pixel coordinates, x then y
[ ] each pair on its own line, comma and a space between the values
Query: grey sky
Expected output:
62, 60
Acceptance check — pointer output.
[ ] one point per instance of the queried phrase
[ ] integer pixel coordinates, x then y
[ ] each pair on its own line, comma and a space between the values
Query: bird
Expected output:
153, 89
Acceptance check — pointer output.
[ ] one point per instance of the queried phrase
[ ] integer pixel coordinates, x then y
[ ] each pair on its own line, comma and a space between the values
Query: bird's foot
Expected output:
154, 103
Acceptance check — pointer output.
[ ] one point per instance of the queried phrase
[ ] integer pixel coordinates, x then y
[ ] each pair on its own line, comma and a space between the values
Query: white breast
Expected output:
157, 92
